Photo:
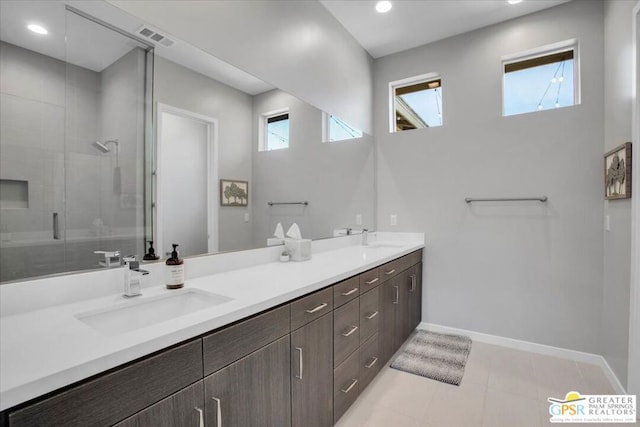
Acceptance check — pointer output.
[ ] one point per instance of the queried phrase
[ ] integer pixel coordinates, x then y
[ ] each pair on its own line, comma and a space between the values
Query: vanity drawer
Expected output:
345, 291
369, 279
233, 343
391, 269
369, 314
346, 334
346, 387
311, 307
370, 361
119, 394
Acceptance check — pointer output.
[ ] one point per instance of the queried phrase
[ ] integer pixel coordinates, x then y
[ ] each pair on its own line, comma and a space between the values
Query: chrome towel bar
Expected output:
288, 203
508, 199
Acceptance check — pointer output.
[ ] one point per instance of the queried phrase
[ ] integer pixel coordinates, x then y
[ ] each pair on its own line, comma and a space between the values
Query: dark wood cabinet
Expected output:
415, 296
184, 408
254, 391
312, 374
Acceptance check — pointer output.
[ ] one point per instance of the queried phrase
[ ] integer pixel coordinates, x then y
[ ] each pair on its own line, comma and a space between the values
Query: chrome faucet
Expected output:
365, 237
111, 259
133, 275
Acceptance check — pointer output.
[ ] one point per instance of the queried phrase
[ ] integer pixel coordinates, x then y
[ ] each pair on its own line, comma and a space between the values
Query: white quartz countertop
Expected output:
46, 349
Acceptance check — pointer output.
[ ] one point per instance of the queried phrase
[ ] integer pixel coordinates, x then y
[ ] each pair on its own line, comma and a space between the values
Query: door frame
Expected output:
213, 198
633, 378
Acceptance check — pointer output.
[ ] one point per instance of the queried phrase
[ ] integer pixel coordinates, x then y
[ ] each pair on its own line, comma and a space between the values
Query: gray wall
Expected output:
618, 100
317, 59
528, 271
336, 178
182, 88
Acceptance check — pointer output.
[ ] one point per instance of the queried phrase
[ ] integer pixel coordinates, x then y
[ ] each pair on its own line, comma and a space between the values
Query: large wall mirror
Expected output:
231, 156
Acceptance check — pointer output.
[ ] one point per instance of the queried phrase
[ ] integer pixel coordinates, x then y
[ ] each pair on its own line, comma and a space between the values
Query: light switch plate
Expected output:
394, 219
359, 219
607, 223
246, 217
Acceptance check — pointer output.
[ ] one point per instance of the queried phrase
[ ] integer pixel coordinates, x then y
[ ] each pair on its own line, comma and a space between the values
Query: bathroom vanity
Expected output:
301, 358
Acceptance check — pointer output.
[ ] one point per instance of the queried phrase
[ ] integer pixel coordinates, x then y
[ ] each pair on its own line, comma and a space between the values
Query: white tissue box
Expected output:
299, 250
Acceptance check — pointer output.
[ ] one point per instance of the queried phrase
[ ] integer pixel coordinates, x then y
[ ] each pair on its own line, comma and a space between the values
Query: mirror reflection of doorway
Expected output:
187, 200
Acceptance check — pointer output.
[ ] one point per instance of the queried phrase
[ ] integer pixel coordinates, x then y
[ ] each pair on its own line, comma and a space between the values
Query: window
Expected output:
541, 81
338, 130
274, 130
416, 103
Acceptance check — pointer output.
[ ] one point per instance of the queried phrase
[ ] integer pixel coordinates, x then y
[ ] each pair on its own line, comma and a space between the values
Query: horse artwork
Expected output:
617, 173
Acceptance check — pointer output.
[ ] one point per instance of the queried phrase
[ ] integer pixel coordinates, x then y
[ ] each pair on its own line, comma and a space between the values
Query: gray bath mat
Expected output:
437, 356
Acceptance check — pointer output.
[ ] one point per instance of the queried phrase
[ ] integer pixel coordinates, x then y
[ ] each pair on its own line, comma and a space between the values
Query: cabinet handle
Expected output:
372, 315
218, 411
200, 416
352, 330
372, 281
348, 389
413, 283
370, 364
300, 362
346, 294
397, 295
393, 270
318, 308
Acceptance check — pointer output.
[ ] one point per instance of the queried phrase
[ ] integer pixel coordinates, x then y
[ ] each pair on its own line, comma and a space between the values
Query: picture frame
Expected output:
234, 192
617, 173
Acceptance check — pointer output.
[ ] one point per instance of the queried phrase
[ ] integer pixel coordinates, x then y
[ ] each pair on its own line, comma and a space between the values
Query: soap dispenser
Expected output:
174, 270
151, 253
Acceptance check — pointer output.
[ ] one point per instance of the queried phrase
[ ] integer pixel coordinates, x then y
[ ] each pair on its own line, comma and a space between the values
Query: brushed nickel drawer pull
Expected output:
372, 281
348, 389
370, 364
351, 292
393, 270
397, 296
318, 308
372, 315
300, 362
413, 283
218, 411
352, 330
200, 416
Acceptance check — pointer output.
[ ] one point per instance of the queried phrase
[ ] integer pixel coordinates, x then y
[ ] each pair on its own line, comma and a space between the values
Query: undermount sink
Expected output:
135, 314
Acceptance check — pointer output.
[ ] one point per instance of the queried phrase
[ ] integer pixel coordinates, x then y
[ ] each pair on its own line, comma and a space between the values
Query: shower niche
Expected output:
74, 109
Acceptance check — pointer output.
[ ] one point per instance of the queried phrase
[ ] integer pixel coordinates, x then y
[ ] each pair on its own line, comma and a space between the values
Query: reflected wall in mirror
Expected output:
335, 178
72, 131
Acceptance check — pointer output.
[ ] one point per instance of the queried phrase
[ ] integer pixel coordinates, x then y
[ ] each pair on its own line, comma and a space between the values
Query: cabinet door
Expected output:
415, 296
184, 408
312, 374
388, 308
254, 391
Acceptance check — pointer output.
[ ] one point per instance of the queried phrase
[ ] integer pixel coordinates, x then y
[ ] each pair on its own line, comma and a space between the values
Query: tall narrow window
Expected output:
417, 103
336, 129
540, 82
274, 131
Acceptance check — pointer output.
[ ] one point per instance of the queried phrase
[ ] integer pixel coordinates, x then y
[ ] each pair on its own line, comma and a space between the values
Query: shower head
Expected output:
103, 146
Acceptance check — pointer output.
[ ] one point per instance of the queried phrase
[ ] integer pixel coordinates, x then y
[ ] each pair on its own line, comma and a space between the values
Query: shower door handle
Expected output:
56, 226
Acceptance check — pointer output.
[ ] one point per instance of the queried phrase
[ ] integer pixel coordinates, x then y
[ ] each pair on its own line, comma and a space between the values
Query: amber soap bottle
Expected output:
174, 270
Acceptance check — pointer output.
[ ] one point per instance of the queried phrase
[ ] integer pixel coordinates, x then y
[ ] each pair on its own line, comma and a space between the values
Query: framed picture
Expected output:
234, 192
617, 173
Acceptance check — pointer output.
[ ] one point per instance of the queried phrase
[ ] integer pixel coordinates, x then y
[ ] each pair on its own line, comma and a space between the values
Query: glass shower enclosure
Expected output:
74, 119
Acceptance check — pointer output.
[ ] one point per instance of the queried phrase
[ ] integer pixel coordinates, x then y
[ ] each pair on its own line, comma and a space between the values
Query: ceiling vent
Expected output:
155, 36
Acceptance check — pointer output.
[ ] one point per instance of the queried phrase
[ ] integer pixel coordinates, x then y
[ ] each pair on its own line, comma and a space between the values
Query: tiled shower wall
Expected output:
51, 112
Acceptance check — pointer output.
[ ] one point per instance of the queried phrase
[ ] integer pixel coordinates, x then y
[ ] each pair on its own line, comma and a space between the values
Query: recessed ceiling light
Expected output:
38, 29
514, 1
383, 6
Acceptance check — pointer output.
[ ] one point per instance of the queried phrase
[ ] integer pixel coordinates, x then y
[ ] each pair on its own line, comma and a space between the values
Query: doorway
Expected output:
186, 176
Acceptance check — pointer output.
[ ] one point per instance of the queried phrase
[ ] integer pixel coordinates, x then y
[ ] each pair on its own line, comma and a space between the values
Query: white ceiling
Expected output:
412, 23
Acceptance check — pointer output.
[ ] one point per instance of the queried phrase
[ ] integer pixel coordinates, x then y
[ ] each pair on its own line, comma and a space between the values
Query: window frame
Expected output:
410, 81
262, 129
546, 50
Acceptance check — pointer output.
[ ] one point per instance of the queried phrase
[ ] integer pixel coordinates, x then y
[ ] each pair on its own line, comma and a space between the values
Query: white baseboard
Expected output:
532, 347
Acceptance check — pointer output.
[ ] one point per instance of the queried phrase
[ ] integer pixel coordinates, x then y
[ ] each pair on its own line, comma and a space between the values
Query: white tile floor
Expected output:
500, 387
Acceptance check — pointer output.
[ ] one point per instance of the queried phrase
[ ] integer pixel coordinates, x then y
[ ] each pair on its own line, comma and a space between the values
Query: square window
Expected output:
542, 81
338, 130
274, 131
417, 103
